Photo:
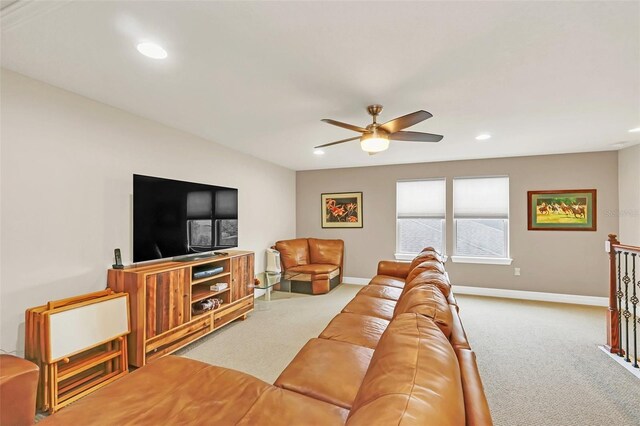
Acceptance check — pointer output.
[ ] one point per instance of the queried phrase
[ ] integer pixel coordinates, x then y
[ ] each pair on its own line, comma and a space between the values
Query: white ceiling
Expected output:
541, 77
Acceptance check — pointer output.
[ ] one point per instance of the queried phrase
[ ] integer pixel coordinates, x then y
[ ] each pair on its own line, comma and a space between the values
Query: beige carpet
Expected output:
541, 365
540, 362
265, 343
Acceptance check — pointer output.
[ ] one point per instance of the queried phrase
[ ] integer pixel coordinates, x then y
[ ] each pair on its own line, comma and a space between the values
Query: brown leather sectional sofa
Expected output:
397, 354
312, 261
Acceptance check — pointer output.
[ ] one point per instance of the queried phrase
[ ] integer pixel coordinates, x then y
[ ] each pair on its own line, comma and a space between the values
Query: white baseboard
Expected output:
620, 360
532, 295
575, 299
356, 281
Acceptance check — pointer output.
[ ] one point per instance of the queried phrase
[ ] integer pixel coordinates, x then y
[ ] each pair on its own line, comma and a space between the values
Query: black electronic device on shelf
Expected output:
206, 271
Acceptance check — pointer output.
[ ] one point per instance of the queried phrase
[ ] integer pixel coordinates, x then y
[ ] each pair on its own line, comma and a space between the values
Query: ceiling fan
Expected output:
375, 137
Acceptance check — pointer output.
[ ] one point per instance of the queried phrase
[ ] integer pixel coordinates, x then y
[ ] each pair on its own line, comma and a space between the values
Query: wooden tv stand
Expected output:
161, 298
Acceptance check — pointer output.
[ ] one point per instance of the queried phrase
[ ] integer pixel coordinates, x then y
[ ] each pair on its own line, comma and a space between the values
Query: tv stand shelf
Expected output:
202, 293
211, 278
162, 296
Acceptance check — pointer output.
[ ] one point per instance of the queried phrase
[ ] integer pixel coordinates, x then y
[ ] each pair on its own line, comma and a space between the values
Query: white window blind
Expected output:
481, 217
481, 198
420, 215
421, 198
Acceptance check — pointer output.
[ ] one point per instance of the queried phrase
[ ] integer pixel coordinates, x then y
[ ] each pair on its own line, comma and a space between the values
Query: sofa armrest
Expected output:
475, 402
18, 389
394, 268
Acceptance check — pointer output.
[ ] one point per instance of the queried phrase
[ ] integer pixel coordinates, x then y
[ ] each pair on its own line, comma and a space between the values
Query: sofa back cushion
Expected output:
293, 252
424, 256
427, 265
413, 378
427, 300
326, 251
438, 279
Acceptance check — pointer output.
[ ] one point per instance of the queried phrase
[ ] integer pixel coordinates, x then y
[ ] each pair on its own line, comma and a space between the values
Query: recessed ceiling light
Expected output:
637, 129
483, 137
318, 152
151, 50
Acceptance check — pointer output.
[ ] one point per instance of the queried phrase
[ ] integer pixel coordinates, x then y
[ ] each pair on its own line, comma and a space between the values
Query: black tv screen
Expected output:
176, 218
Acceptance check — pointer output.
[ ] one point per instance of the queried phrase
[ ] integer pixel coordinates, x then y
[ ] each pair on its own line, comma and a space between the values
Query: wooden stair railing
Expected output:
624, 293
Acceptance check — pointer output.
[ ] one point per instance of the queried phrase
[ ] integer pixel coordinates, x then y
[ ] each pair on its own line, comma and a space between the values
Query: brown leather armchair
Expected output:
312, 261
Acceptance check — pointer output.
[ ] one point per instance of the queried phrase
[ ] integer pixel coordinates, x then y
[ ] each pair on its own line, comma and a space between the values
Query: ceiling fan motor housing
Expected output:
374, 110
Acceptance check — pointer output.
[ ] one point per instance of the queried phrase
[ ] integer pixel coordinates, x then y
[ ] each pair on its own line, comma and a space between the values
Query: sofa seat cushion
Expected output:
171, 390
372, 306
361, 330
430, 277
328, 370
387, 280
413, 378
427, 300
381, 291
280, 407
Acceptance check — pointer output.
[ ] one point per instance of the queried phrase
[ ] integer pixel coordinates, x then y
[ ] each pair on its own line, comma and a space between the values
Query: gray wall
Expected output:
67, 165
566, 262
629, 193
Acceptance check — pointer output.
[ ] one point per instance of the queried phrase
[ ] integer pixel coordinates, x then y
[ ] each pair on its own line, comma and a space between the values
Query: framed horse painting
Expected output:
342, 210
562, 210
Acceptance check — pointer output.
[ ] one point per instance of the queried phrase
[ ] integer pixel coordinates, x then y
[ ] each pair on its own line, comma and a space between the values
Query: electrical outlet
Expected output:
516, 272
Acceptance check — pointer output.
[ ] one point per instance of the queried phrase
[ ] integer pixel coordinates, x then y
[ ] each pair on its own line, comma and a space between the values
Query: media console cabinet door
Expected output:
242, 273
168, 304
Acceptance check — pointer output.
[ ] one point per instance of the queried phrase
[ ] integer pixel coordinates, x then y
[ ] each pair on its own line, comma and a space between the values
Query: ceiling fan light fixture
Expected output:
374, 142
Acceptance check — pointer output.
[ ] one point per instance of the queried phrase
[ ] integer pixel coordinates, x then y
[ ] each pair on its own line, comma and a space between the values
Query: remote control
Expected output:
220, 253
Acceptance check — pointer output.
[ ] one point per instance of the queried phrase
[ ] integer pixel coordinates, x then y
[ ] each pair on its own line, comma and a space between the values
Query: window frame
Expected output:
491, 260
410, 256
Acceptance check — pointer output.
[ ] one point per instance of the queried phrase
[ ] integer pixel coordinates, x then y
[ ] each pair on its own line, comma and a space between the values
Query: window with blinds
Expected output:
481, 216
420, 218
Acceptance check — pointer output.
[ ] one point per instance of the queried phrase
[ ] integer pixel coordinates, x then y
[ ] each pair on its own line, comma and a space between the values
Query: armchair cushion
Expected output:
313, 269
293, 252
326, 251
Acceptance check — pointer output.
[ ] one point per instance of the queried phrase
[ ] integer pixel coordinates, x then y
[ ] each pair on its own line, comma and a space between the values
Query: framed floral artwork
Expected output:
342, 210
562, 210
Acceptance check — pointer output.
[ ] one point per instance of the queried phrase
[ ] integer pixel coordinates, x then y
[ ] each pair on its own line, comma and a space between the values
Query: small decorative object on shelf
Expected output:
219, 286
206, 305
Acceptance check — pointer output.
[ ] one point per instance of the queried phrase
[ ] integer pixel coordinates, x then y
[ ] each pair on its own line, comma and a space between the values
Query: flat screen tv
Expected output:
174, 218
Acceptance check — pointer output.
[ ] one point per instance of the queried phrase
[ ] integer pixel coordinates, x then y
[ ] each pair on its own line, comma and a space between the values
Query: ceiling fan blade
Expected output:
337, 142
415, 137
405, 121
344, 125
